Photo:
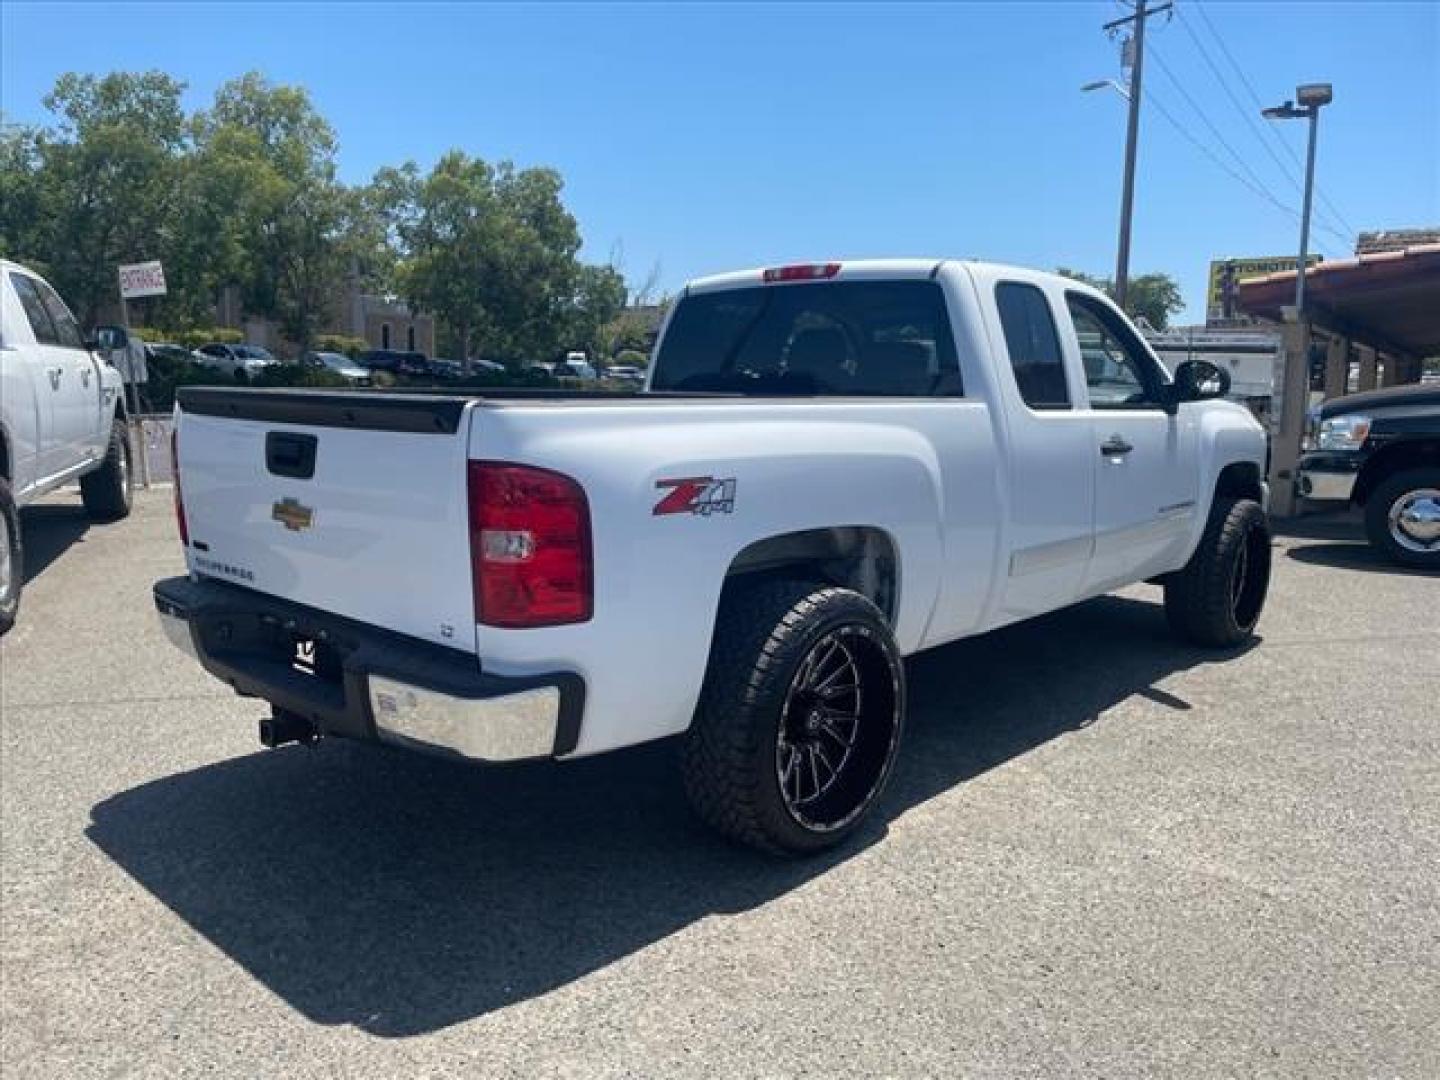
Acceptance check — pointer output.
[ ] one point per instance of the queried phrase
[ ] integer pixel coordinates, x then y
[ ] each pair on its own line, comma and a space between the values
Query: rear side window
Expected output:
1033, 344
35, 312
838, 338
67, 330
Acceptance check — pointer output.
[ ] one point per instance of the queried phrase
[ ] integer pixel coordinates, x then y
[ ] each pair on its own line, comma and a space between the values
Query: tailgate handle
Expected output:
288, 454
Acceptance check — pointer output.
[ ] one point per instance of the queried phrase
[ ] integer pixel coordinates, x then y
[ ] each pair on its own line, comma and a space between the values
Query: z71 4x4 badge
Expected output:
702, 495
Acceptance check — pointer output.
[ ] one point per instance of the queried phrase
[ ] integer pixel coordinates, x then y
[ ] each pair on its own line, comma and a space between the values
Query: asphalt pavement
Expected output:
1103, 854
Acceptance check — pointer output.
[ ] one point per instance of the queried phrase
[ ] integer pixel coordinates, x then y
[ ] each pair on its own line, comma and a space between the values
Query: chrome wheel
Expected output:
124, 468
838, 729
7, 560
1415, 520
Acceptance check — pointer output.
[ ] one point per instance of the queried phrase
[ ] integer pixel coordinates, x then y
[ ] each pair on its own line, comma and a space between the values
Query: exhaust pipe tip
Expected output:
282, 727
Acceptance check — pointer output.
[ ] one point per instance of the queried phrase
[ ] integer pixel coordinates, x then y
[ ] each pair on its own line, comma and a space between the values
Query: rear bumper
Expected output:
371, 684
1327, 476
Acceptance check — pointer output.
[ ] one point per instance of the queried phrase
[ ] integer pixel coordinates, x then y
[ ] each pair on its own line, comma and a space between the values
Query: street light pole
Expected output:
1312, 97
1305, 213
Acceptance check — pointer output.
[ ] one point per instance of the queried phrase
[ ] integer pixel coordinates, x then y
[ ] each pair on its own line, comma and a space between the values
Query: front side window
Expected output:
851, 338
67, 330
40, 324
1033, 345
1118, 372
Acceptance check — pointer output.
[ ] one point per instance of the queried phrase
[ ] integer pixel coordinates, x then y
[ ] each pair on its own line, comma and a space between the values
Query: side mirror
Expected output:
1200, 380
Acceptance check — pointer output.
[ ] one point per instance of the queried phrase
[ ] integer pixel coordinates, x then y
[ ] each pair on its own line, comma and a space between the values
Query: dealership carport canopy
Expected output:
1389, 300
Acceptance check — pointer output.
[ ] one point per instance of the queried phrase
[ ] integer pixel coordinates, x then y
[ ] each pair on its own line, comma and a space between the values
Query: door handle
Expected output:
55, 373
1115, 445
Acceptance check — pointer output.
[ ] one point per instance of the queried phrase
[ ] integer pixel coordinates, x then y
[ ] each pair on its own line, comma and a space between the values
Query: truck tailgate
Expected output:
352, 503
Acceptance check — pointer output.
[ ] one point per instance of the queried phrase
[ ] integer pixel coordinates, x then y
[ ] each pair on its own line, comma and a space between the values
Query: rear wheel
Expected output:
1402, 518
12, 562
799, 719
1217, 598
106, 491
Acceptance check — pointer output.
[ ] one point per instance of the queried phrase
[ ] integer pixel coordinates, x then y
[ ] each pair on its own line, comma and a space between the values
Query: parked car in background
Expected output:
576, 365
1380, 451
845, 464
62, 419
168, 351
446, 369
238, 360
397, 362
625, 373
339, 364
572, 371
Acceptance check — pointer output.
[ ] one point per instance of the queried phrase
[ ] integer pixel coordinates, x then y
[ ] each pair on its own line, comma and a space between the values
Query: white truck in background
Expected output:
832, 466
62, 419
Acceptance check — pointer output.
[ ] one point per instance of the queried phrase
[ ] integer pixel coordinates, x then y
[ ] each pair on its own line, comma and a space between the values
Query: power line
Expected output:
1259, 191
1205, 119
1259, 105
1247, 115
1241, 109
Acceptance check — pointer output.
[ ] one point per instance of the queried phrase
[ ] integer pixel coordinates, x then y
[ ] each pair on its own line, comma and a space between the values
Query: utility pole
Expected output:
1132, 135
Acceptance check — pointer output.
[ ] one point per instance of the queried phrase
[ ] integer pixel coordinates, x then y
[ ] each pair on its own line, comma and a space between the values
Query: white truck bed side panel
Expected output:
813, 464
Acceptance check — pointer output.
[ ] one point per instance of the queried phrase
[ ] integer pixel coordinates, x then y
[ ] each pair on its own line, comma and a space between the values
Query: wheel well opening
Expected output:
856, 557
1240, 481
1416, 454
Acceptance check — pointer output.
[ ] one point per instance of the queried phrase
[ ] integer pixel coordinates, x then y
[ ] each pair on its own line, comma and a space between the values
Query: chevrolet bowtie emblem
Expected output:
292, 514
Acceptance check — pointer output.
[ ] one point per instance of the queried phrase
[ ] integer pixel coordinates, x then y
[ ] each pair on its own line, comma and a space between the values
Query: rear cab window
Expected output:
1034, 347
833, 338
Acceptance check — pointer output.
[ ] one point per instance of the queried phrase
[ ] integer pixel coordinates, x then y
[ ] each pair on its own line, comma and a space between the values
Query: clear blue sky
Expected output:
709, 137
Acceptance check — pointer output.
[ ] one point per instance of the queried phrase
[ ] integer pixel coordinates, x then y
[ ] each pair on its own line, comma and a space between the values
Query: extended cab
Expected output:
1380, 451
61, 419
831, 467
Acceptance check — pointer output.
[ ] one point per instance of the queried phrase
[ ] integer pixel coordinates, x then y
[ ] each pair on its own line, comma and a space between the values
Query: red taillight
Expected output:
179, 502
804, 272
529, 546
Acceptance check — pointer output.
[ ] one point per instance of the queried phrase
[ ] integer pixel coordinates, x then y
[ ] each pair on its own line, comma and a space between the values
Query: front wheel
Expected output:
800, 717
107, 491
1216, 599
1402, 518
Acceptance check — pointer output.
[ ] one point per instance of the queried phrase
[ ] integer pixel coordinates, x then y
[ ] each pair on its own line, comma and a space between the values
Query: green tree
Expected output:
490, 250
21, 196
1153, 297
599, 297
266, 197
96, 189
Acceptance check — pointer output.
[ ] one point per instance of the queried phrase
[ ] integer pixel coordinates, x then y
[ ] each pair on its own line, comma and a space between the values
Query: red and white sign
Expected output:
142, 279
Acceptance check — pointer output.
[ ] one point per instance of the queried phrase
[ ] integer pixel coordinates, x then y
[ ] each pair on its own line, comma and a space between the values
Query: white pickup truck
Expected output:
832, 466
62, 418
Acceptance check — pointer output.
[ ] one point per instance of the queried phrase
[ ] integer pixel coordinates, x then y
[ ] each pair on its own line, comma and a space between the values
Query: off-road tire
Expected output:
106, 491
764, 633
1202, 601
14, 546
1377, 516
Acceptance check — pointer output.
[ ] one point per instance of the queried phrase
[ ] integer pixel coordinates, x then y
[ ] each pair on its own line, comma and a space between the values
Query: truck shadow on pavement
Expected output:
48, 531
402, 894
